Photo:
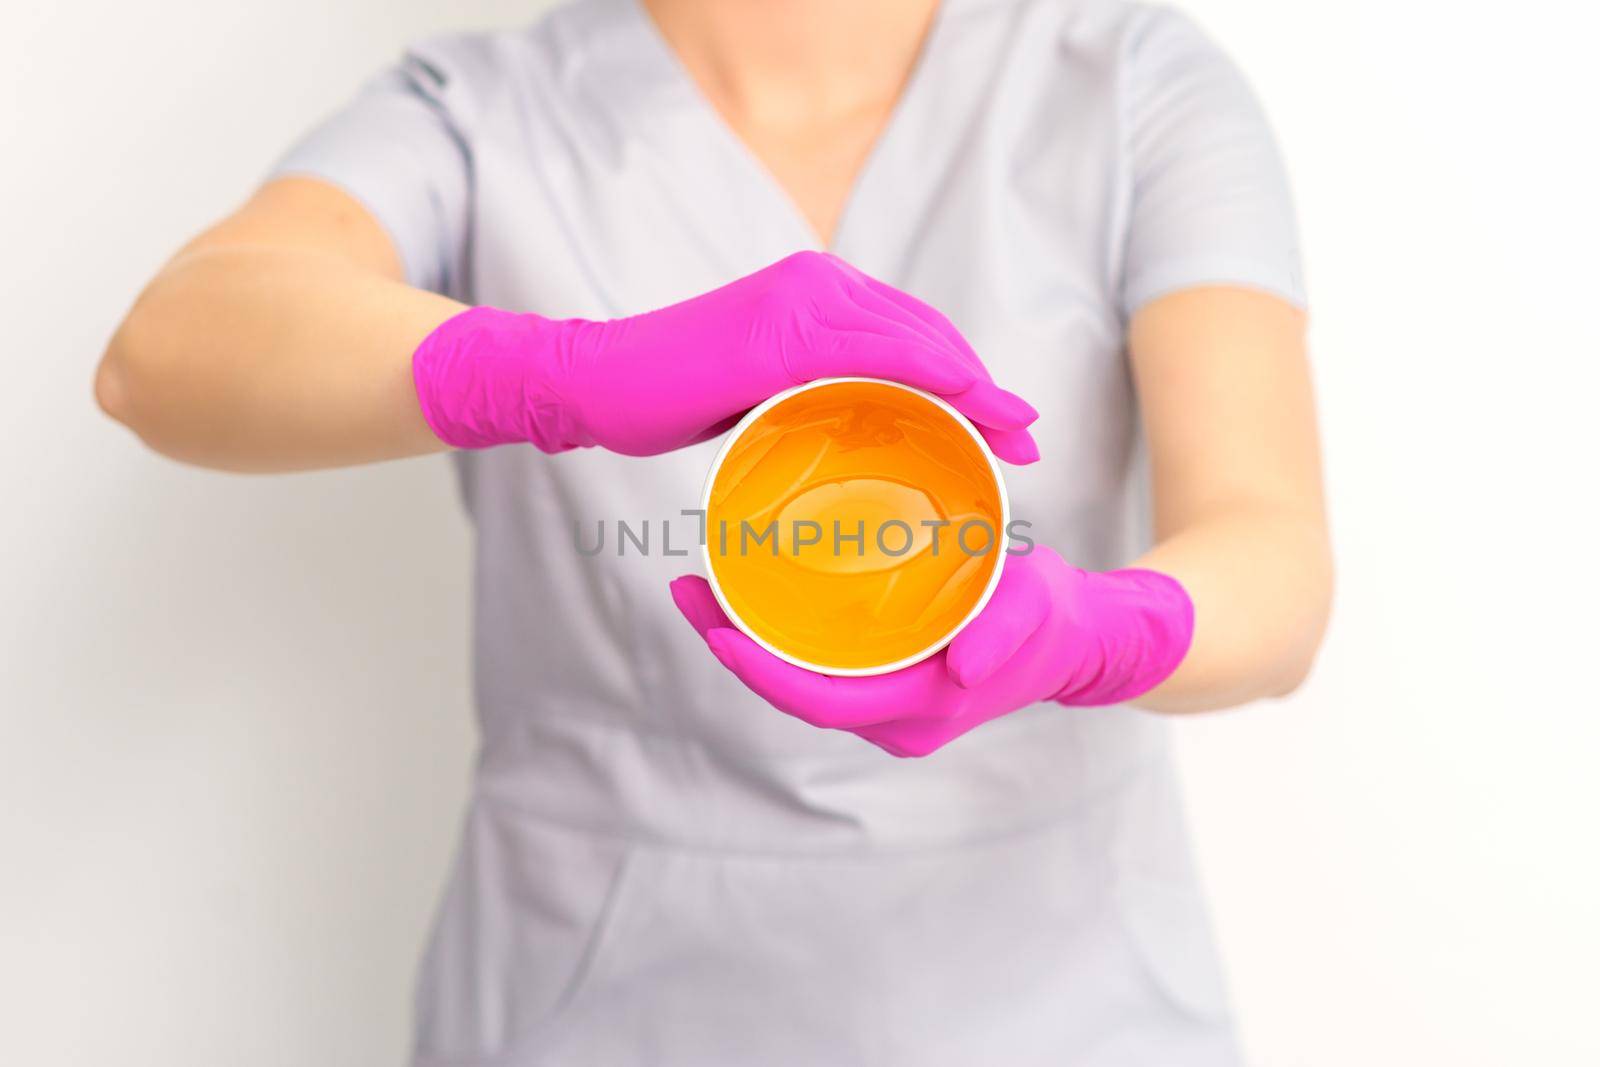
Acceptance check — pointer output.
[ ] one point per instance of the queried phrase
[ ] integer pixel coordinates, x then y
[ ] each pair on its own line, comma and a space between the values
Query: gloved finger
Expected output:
853, 307
865, 296
1020, 605
986, 404
694, 598
1013, 446
819, 699
929, 314
877, 356
873, 354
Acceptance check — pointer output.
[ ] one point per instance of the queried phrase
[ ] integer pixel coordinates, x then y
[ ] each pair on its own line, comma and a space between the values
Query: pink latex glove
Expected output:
658, 381
1050, 632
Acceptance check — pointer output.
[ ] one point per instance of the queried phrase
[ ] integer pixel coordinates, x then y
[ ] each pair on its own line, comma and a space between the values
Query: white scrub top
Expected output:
657, 867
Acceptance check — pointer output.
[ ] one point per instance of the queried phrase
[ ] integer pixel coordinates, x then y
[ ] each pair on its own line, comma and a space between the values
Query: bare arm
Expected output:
1225, 391
280, 339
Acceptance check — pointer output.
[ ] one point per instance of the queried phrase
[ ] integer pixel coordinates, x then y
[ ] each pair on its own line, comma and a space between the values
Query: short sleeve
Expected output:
396, 149
1210, 202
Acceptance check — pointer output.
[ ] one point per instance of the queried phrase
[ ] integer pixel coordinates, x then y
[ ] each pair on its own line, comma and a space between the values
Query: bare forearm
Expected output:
253, 358
1261, 580
278, 339
1225, 390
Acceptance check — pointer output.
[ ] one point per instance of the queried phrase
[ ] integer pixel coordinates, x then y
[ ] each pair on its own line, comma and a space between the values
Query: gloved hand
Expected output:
658, 381
1050, 632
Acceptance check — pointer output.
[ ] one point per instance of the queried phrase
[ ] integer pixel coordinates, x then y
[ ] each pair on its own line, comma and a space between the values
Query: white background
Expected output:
234, 731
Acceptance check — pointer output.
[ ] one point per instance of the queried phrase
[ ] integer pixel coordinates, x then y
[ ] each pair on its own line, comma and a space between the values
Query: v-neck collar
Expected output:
662, 72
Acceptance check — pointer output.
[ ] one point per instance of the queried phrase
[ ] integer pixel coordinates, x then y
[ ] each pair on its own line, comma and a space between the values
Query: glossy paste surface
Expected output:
854, 525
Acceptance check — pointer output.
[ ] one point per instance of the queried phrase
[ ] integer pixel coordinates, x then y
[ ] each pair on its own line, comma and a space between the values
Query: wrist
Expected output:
489, 377
1142, 624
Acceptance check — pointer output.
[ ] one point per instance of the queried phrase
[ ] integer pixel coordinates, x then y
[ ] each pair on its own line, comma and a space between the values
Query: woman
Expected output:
676, 856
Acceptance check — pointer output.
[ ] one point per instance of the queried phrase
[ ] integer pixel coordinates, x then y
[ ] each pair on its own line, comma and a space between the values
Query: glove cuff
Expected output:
489, 377
1145, 621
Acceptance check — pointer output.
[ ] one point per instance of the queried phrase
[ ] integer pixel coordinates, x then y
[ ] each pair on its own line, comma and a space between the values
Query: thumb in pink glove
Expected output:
659, 381
1050, 632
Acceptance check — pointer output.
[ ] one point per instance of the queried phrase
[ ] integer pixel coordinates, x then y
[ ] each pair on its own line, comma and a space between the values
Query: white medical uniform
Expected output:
657, 867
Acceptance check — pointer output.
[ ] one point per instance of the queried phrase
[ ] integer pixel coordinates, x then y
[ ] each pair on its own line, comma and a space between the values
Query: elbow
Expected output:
1292, 675
110, 386
128, 383
158, 378
121, 382
1296, 664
